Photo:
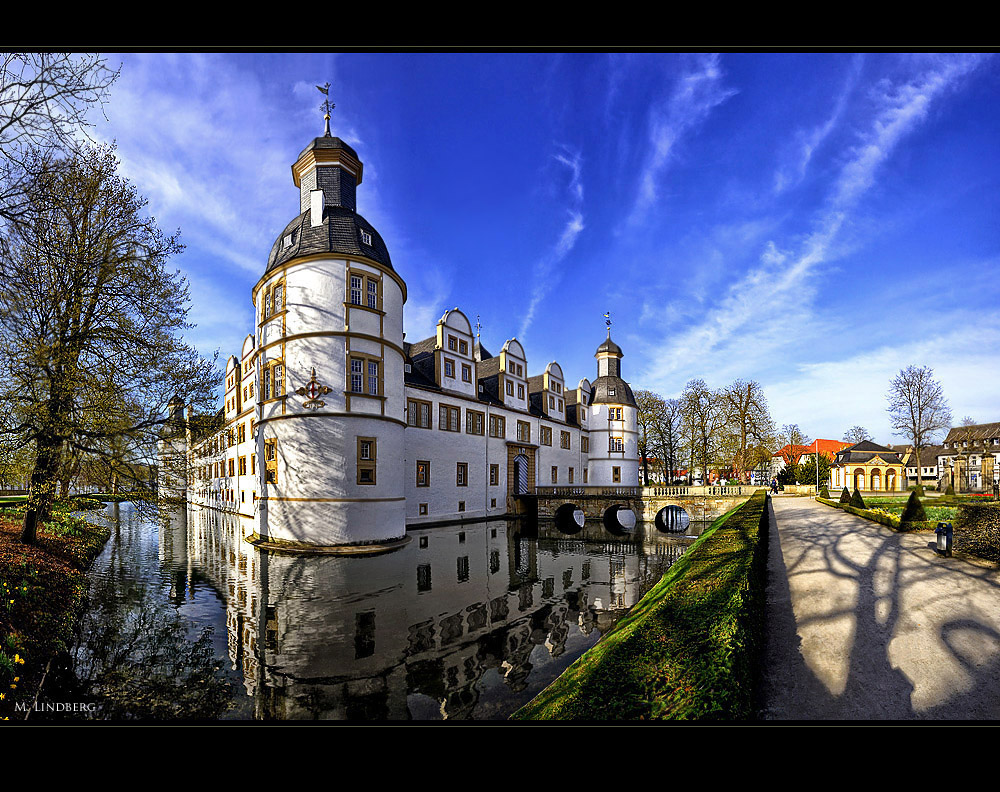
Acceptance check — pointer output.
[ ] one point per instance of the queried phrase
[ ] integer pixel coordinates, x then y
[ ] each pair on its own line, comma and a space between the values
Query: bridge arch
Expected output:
619, 520
672, 519
569, 518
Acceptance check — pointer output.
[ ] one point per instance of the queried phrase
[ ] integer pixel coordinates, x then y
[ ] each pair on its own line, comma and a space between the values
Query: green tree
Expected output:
807, 469
91, 321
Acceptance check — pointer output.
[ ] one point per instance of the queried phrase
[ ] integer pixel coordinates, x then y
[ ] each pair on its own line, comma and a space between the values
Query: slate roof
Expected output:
600, 387
865, 451
339, 234
609, 346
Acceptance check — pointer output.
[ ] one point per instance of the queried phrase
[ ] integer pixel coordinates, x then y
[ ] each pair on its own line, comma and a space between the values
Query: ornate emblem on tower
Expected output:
313, 390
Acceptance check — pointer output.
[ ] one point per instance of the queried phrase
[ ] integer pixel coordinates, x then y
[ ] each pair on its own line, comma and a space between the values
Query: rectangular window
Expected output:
418, 413
520, 391
357, 375
520, 370
463, 347
271, 461
510, 388
545, 435
449, 368
523, 432
423, 512
585, 476
616, 475
232, 467
452, 343
449, 418
564, 440
364, 376
494, 475
616, 444
365, 290
462, 474
243, 466
466, 372
423, 474
498, 426
555, 474
552, 402
367, 452
474, 422
614, 413
585, 445
570, 477
511, 368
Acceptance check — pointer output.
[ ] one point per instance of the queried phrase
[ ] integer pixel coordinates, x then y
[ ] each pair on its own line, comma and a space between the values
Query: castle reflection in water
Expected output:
466, 621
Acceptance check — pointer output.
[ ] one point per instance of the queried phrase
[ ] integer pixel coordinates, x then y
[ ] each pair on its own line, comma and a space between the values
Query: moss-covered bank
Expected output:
44, 588
690, 649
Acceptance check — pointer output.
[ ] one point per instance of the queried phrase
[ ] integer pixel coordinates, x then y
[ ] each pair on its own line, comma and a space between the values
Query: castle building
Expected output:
338, 432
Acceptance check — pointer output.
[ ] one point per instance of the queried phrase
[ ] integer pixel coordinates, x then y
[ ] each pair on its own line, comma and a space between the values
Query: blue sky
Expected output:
814, 222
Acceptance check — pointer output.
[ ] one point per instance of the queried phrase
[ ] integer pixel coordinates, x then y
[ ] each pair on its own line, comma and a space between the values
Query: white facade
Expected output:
336, 432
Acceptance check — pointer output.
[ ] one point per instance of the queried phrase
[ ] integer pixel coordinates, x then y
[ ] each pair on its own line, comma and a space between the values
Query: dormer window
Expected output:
287, 241
366, 238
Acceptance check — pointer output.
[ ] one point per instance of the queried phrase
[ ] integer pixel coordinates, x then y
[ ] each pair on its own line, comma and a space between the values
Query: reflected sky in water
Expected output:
464, 622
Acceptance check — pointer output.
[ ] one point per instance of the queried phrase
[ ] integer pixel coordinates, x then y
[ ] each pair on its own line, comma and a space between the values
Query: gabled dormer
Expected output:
513, 378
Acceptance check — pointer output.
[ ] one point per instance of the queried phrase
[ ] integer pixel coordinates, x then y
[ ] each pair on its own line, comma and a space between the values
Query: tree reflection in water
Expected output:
138, 661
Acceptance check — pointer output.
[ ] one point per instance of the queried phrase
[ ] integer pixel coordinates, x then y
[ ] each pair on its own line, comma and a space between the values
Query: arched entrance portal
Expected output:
859, 479
876, 480
521, 475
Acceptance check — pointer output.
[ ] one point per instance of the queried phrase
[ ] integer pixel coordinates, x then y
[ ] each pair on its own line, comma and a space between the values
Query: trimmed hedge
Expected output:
690, 649
856, 500
977, 530
845, 496
881, 517
914, 509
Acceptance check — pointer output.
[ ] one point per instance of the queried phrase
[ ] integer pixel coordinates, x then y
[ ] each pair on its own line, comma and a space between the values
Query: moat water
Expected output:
187, 621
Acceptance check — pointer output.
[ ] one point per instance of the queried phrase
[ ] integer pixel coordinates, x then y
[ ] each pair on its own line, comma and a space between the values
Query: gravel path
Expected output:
866, 624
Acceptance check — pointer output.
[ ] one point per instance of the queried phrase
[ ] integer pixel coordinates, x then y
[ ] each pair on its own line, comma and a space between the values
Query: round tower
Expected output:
329, 324
612, 414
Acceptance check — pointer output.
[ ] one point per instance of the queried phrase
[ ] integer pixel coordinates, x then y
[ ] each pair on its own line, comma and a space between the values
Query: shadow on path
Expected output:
868, 624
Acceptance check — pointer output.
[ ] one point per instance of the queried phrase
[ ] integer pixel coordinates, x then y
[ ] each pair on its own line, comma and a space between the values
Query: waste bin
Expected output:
945, 535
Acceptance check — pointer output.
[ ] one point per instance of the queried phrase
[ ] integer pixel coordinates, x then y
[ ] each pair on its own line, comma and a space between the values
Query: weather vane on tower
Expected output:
326, 107
607, 321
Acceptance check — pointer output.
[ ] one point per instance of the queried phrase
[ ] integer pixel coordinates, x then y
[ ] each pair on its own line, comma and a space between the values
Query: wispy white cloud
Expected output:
770, 309
692, 99
807, 141
546, 271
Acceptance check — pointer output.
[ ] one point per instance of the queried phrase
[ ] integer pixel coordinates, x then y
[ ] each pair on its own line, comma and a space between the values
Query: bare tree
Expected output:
917, 408
670, 438
45, 98
749, 423
649, 412
857, 434
704, 416
91, 322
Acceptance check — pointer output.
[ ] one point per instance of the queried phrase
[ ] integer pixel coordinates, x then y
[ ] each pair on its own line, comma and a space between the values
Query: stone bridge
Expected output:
647, 504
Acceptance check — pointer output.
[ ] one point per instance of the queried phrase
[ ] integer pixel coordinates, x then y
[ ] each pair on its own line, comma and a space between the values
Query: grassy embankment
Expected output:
690, 649
44, 588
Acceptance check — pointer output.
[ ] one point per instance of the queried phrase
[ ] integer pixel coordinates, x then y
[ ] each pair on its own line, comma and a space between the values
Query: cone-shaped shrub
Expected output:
950, 490
914, 510
824, 492
845, 496
857, 501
